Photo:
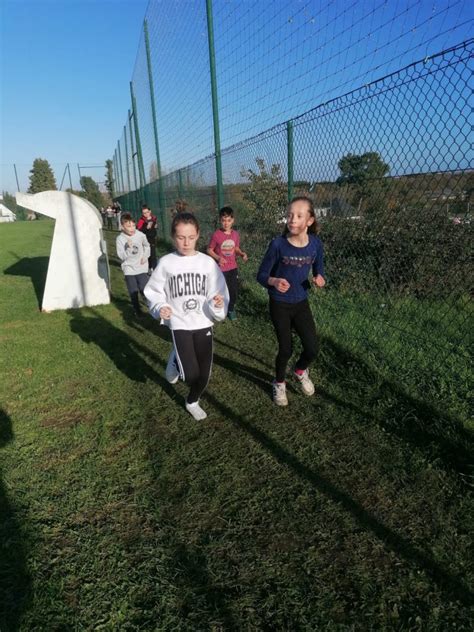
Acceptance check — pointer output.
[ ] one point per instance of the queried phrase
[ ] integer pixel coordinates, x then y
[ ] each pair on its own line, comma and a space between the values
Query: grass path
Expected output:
351, 510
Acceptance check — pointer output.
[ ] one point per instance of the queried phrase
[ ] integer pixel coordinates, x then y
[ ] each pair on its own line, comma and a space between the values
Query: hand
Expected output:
319, 281
149, 225
281, 285
244, 257
143, 261
218, 301
165, 313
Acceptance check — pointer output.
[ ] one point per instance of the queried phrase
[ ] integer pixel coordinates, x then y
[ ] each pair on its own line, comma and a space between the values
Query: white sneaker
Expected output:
196, 411
306, 384
172, 371
279, 393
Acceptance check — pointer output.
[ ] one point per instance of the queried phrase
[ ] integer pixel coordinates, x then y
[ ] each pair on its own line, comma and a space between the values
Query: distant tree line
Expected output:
42, 179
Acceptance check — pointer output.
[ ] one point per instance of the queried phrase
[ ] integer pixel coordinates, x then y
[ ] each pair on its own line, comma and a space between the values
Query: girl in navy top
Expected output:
284, 272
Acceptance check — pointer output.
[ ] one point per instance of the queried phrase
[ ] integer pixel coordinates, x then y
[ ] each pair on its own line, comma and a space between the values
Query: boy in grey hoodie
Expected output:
133, 251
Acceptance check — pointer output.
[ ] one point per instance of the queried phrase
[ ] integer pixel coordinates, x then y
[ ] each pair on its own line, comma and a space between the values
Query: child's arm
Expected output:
146, 249
217, 294
211, 251
155, 294
318, 267
215, 256
242, 254
120, 246
268, 263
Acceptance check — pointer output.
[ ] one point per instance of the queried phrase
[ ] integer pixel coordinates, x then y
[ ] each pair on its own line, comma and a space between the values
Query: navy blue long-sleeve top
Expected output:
283, 260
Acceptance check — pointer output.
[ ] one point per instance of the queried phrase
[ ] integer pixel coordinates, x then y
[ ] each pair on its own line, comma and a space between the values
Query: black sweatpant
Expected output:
297, 316
232, 281
136, 283
152, 257
194, 356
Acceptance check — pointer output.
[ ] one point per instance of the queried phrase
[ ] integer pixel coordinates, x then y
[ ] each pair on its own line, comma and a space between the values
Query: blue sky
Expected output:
67, 64
66, 68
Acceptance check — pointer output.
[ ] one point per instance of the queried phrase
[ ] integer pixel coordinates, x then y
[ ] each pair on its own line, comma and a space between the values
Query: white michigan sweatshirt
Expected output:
187, 284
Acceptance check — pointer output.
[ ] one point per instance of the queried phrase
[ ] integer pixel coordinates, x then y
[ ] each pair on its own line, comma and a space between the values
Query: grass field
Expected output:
351, 510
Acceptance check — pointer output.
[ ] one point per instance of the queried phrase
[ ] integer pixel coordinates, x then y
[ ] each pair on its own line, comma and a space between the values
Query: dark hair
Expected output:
226, 211
314, 228
126, 217
183, 218
144, 206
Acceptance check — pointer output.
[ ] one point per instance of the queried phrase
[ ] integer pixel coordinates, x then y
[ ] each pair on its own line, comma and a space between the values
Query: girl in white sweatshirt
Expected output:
188, 292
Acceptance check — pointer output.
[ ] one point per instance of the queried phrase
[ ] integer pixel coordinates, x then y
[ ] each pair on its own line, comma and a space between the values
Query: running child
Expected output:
223, 247
147, 225
187, 291
284, 273
133, 251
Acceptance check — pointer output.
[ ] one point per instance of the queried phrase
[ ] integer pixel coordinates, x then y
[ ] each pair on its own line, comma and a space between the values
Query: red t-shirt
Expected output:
224, 245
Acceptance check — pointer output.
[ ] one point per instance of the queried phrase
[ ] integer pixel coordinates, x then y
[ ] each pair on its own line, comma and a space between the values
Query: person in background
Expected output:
133, 251
147, 225
224, 247
110, 215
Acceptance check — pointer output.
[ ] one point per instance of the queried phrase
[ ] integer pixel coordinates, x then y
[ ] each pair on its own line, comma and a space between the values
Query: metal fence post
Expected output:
289, 143
215, 109
121, 167
161, 192
16, 178
116, 179
180, 184
126, 157
141, 170
132, 151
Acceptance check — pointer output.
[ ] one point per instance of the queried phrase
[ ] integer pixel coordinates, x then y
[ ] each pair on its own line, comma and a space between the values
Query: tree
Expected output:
364, 172
10, 202
266, 195
91, 191
109, 178
42, 177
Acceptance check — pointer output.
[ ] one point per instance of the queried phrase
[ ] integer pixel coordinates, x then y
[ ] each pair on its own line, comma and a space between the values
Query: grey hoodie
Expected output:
132, 250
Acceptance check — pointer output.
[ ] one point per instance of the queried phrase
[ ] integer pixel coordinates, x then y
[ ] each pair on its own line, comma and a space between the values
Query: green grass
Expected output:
351, 510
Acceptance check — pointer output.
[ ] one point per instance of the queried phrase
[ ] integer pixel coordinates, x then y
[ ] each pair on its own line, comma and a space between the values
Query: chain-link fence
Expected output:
389, 169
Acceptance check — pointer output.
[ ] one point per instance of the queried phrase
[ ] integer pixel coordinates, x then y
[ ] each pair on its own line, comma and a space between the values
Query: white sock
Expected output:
196, 411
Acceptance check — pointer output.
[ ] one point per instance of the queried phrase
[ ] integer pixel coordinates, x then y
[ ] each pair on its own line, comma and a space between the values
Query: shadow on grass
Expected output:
267, 362
447, 581
251, 374
197, 586
14, 577
122, 349
438, 436
34, 267
365, 391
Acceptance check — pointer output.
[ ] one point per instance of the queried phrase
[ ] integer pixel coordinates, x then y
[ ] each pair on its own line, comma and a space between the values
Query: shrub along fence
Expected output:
389, 167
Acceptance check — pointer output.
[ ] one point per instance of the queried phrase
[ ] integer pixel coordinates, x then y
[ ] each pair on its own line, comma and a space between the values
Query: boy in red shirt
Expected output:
147, 225
223, 247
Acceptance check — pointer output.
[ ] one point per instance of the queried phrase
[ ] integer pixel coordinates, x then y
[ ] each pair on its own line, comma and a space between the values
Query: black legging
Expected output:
232, 281
152, 257
297, 316
194, 355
